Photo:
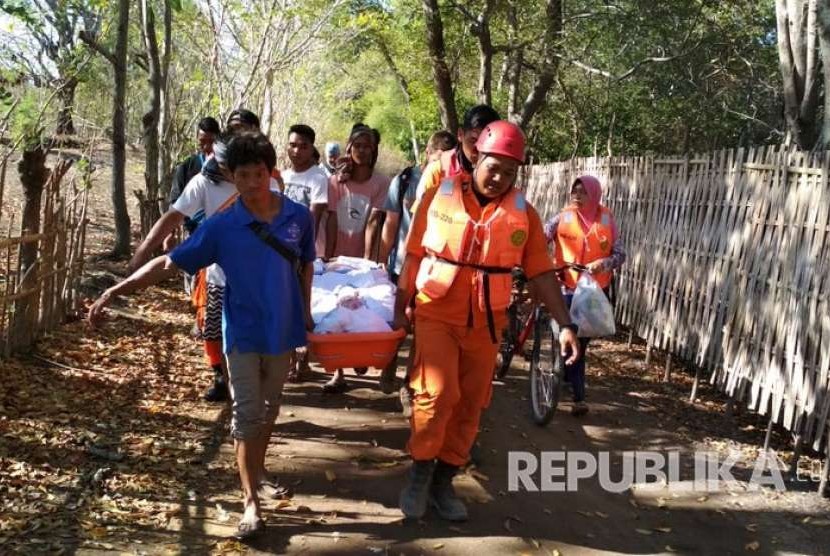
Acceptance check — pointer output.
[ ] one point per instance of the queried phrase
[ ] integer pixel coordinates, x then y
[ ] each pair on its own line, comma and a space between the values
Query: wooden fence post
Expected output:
825, 474
695, 385
768, 436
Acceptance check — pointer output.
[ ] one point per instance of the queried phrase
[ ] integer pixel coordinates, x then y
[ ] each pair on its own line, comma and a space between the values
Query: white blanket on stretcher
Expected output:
352, 295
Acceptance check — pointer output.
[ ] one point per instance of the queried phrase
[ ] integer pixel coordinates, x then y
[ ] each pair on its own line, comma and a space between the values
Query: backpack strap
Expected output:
404, 179
261, 231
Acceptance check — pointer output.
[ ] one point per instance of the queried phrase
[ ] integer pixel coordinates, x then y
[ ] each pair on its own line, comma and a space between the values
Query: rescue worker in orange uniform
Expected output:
465, 238
585, 234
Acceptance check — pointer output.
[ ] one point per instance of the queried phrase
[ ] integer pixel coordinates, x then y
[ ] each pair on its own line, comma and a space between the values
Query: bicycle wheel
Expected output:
545, 372
508, 342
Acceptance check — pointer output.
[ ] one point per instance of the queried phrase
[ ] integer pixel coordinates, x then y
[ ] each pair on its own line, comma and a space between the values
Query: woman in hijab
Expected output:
584, 234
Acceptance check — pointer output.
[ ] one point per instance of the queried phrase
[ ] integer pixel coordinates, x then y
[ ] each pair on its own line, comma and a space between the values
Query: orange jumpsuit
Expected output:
454, 354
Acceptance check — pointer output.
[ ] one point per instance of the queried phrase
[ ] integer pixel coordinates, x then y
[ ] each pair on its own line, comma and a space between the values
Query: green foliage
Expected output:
716, 83
20, 10
27, 122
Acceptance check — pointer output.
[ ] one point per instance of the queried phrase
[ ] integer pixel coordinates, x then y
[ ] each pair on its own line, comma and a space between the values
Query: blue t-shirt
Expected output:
263, 305
393, 204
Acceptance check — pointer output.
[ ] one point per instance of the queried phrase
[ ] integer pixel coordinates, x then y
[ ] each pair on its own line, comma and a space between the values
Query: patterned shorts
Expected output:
213, 313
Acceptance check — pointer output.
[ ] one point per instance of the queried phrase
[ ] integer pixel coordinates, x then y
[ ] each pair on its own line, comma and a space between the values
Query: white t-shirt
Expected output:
200, 200
307, 188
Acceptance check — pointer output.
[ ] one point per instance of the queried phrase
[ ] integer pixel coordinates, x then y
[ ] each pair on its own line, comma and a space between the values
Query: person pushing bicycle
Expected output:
584, 238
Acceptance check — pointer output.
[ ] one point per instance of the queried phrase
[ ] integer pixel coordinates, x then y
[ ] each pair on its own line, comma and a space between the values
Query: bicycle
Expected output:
546, 365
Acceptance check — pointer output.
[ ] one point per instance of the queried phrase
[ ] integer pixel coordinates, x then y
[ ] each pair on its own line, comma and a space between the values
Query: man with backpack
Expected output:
398, 207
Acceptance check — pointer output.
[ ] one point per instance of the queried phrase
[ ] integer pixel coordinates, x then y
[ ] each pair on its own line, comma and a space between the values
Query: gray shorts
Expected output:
256, 381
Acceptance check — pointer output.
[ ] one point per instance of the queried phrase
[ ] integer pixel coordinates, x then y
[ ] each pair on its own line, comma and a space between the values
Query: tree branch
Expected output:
92, 43
633, 69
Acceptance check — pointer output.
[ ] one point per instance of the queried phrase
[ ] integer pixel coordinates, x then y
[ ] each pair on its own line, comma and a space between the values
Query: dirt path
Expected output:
105, 447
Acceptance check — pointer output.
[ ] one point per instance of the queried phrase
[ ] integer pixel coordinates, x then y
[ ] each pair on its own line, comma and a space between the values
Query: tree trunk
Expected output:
485, 55
165, 164
798, 58
440, 70
65, 124
824, 44
33, 176
550, 65
119, 155
267, 113
149, 208
513, 60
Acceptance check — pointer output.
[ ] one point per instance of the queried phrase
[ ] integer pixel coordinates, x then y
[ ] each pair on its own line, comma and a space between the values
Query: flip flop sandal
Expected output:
247, 531
274, 490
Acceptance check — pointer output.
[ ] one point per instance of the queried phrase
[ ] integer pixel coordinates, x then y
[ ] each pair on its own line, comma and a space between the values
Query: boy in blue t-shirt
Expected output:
264, 242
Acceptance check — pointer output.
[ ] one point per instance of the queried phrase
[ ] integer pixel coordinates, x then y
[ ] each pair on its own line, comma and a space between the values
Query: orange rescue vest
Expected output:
573, 245
450, 166
491, 246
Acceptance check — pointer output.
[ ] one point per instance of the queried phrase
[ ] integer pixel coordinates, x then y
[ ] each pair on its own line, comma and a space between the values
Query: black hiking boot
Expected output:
415, 495
219, 391
442, 495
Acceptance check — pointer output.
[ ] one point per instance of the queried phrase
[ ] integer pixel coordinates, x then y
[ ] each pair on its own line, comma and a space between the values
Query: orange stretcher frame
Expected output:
358, 349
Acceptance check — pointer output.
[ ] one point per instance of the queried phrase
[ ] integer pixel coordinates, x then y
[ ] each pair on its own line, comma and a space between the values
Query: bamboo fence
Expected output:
36, 299
728, 264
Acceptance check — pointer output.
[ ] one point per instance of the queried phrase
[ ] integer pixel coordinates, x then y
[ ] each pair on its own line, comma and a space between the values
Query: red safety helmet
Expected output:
503, 138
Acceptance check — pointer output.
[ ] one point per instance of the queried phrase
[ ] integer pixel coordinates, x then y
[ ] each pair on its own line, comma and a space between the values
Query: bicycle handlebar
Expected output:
574, 266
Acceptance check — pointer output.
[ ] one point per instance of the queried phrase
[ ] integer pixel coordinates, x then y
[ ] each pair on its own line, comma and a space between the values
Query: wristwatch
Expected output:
572, 327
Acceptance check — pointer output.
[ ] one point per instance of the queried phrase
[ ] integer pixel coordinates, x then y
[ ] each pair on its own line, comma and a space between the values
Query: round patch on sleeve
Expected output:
518, 237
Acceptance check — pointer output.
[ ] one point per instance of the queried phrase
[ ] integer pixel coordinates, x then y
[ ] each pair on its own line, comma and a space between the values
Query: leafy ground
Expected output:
106, 447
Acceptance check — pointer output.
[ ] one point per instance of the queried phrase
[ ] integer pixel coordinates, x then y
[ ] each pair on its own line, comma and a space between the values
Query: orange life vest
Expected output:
573, 245
491, 246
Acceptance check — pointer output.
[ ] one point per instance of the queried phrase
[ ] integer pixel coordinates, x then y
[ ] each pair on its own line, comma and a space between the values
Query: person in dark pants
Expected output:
584, 234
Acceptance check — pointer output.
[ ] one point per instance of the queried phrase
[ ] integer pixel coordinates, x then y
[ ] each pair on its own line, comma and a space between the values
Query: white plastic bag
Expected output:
590, 309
